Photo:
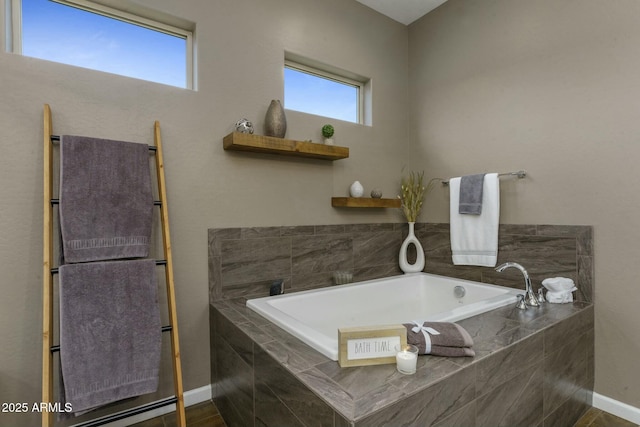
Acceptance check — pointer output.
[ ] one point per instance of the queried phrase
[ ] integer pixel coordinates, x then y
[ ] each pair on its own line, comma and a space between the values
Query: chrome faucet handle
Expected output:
521, 304
541, 297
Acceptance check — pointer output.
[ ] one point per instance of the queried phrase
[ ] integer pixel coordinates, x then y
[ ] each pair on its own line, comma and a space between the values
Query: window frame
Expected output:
335, 76
14, 35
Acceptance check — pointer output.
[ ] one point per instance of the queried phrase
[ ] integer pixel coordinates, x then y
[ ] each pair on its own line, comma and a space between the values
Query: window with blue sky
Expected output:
74, 36
314, 93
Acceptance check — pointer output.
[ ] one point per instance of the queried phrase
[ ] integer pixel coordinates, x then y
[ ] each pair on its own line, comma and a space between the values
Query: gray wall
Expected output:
551, 87
241, 45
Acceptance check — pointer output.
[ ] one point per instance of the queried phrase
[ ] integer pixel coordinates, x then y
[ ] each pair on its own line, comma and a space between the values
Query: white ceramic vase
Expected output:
405, 266
356, 189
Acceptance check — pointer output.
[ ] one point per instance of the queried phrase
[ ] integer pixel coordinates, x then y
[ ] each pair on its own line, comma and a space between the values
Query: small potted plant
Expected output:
327, 133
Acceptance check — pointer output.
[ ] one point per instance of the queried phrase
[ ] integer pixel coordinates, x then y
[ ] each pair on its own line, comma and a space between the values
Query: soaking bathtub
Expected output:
314, 316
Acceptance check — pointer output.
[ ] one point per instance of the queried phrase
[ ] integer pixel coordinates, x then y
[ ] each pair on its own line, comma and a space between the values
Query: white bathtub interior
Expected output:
314, 316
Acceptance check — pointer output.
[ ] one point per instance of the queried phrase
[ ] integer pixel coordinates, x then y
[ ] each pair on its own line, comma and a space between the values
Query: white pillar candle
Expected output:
407, 359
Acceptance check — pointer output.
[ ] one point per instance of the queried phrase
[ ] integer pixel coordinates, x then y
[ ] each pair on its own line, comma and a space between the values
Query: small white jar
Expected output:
356, 189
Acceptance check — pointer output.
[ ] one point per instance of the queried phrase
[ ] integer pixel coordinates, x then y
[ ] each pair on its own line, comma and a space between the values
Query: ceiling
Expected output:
404, 11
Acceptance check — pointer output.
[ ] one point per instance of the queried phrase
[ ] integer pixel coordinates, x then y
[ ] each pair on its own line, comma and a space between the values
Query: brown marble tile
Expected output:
316, 254
218, 235
487, 327
215, 279
278, 385
510, 362
294, 345
254, 260
435, 244
565, 373
376, 272
370, 249
232, 335
235, 382
557, 335
289, 359
516, 402
463, 417
270, 411
326, 389
359, 381
232, 416
585, 279
428, 406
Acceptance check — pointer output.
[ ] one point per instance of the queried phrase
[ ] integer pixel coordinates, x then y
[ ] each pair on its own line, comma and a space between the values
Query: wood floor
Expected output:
597, 418
206, 415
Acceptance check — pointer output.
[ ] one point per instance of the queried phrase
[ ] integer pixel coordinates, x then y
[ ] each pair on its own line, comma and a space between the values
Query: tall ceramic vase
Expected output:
275, 122
405, 266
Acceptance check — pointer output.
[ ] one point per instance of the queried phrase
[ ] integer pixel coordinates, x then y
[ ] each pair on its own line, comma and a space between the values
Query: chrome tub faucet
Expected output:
529, 299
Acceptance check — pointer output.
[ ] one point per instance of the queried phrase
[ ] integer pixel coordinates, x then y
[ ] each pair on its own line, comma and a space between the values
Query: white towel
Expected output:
561, 297
474, 238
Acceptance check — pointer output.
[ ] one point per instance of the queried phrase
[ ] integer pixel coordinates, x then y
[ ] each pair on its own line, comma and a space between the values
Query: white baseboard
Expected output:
191, 397
617, 408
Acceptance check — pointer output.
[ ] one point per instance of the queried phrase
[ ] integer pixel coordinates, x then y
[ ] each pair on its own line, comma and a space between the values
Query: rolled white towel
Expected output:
561, 297
558, 284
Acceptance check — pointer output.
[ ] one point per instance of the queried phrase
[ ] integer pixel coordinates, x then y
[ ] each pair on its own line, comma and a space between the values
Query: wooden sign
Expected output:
370, 345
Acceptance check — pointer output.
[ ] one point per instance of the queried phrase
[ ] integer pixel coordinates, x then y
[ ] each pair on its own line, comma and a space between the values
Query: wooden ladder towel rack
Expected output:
48, 271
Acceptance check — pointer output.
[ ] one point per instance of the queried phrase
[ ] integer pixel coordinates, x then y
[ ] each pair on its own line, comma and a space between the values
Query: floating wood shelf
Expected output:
364, 202
238, 141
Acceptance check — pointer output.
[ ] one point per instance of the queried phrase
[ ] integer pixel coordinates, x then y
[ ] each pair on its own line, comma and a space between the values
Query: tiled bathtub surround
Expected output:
243, 262
532, 368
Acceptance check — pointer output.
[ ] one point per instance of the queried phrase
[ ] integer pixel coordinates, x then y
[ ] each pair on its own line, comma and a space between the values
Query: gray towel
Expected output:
110, 331
106, 203
440, 339
471, 194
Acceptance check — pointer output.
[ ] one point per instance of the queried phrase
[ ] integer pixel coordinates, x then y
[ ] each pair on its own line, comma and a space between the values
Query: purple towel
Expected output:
110, 331
470, 199
440, 339
106, 202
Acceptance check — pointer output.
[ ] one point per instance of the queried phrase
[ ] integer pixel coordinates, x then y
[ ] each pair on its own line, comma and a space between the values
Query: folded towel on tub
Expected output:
106, 202
440, 339
474, 238
110, 331
470, 200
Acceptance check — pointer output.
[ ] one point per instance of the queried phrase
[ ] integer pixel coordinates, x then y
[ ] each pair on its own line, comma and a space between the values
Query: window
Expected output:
315, 91
91, 35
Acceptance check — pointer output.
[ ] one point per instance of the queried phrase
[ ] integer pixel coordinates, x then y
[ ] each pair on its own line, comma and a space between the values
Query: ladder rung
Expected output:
57, 202
166, 328
55, 270
128, 413
56, 138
